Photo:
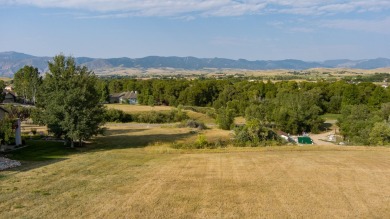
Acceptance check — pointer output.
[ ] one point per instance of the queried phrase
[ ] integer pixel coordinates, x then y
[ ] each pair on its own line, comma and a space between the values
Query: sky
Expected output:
310, 30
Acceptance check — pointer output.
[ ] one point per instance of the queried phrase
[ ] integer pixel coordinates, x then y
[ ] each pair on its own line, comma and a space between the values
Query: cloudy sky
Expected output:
312, 30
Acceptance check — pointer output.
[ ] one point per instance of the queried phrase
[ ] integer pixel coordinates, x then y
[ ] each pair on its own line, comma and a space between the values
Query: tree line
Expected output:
291, 106
71, 99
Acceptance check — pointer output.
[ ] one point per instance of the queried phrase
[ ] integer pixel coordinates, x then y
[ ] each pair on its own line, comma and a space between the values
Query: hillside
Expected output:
10, 62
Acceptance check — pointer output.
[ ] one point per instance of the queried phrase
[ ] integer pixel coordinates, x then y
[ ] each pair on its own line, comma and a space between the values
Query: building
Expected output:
9, 96
125, 97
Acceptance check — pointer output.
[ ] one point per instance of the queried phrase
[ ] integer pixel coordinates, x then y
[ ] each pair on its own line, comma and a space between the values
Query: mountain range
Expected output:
11, 62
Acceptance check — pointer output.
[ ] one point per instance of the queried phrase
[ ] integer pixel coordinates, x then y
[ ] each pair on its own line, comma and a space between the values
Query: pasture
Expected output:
137, 108
133, 173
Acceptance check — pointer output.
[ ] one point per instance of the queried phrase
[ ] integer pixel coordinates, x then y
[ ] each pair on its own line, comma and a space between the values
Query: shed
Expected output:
305, 140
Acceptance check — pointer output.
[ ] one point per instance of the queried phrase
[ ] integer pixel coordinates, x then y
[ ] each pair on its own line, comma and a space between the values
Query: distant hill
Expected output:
10, 62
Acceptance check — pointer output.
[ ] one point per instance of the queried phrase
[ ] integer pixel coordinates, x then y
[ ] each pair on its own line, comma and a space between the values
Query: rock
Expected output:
6, 163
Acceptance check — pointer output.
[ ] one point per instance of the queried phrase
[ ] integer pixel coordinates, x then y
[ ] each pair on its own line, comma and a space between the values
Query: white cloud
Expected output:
375, 26
177, 8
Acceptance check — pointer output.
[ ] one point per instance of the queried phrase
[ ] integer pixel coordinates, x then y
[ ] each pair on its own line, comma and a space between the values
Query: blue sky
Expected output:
311, 30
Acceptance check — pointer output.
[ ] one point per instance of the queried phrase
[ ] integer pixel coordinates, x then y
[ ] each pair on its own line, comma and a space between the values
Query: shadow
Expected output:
110, 132
127, 141
38, 153
30, 165
326, 126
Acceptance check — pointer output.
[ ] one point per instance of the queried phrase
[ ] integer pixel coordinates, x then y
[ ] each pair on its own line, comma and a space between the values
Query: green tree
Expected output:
380, 133
2, 94
6, 131
225, 118
70, 101
104, 92
27, 82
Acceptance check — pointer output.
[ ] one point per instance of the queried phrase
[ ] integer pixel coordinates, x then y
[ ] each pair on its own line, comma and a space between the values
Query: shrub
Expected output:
174, 115
191, 123
201, 142
254, 134
225, 118
115, 115
34, 131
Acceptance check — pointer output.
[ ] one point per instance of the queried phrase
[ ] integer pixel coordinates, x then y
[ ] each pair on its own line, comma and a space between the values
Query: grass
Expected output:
137, 108
200, 117
41, 150
133, 172
5, 79
330, 116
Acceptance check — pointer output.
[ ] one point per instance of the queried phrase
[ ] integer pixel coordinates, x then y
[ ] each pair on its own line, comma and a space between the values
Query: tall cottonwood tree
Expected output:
27, 82
70, 100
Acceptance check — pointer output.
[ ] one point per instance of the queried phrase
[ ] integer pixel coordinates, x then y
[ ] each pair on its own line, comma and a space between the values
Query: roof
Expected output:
126, 95
130, 95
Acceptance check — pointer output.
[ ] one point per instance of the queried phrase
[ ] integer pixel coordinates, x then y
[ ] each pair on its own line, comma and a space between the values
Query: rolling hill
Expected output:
10, 62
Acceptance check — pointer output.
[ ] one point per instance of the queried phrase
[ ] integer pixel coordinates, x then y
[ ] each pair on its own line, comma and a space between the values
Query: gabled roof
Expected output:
126, 95
130, 95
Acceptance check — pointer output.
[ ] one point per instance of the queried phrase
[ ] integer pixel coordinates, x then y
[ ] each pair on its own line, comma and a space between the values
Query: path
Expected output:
317, 138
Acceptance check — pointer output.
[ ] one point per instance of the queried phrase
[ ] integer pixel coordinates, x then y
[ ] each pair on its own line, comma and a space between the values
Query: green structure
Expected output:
304, 140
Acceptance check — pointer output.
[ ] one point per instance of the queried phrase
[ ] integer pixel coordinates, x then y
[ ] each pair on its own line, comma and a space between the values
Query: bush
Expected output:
34, 131
225, 118
254, 134
115, 115
191, 123
161, 117
201, 142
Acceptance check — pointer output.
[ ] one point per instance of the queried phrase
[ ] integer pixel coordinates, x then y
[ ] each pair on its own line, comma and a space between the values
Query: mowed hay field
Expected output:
155, 181
132, 172
137, 108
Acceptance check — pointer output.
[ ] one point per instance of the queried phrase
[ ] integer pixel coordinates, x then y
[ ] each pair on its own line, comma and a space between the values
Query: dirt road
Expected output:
318, 138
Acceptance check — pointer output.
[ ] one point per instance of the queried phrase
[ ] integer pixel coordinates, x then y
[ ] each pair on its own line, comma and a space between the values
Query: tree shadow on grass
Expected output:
133, 141
110, 132
39, 153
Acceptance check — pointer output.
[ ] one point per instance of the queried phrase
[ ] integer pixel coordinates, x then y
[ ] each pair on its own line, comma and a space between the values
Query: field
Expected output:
151, 183
133, 173
312, 74
137, 108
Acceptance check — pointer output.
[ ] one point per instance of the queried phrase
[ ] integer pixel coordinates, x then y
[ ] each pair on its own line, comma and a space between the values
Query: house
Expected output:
125, 97
9, 97
3, 113
129, 97
114, 98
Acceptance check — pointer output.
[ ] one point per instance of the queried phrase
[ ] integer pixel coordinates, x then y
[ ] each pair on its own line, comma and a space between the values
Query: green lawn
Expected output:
41, 150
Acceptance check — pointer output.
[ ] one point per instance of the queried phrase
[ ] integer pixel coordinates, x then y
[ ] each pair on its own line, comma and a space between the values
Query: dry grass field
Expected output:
137, 108
311, 73
132, 173
5, 79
